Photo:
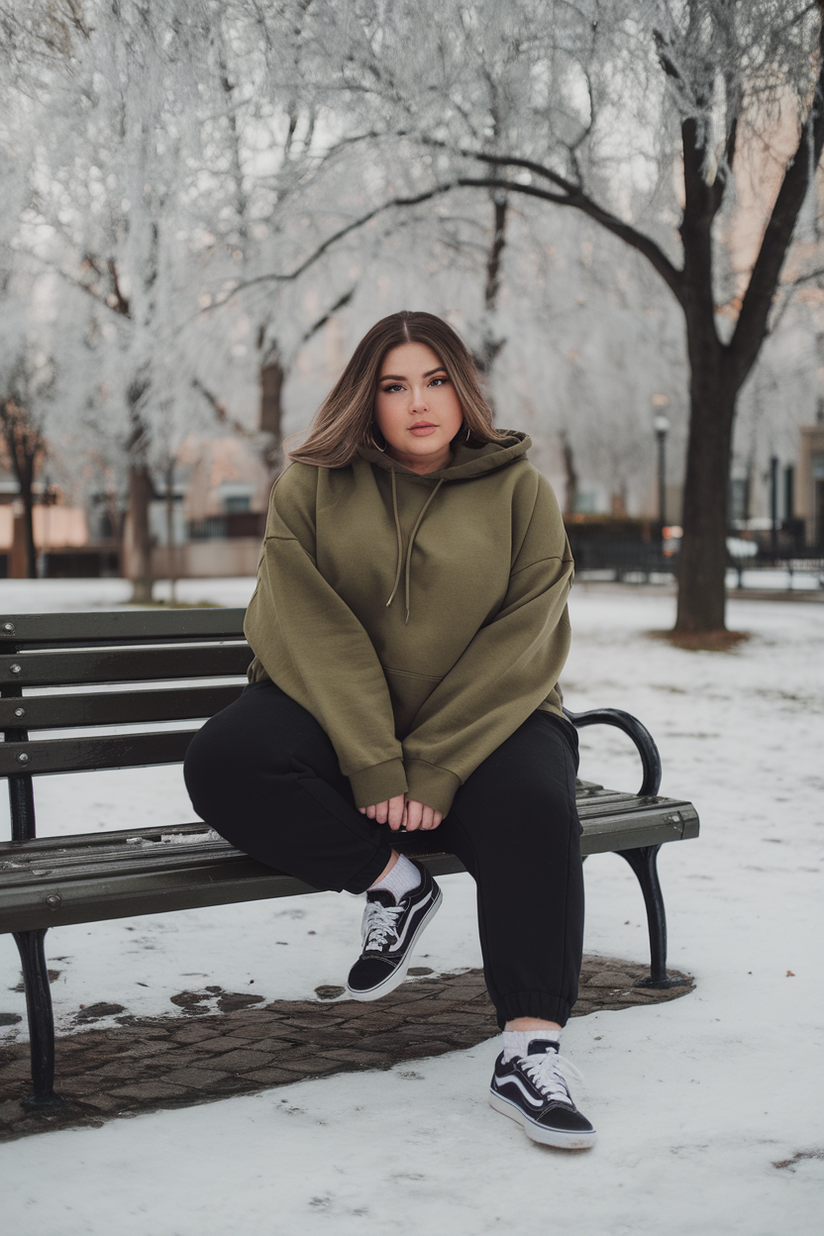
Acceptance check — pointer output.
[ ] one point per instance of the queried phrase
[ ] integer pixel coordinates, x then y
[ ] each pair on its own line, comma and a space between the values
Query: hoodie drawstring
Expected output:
414, 533
400, 538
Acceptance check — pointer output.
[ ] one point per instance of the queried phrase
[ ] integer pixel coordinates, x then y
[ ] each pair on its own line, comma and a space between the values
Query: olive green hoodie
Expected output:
420, 619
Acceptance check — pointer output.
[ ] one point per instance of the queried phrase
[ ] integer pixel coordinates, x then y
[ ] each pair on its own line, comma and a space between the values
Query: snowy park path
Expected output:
143, 1064
696, 1102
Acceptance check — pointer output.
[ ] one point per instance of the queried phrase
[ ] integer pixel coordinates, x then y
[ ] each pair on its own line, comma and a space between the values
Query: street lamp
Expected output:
661, 426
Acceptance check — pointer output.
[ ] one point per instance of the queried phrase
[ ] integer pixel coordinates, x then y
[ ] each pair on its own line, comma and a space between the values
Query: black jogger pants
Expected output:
264, 775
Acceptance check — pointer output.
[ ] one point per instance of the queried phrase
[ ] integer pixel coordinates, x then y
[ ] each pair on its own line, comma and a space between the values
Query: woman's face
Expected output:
416, 408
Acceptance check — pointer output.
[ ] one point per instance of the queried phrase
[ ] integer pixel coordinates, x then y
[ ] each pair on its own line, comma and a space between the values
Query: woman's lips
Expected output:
422, 429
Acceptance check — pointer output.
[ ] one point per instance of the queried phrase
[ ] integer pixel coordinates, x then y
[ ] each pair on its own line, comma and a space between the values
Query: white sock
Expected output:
516, 1042
401, 880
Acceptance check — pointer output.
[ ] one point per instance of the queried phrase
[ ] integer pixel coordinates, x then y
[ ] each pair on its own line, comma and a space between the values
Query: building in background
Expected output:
61, 536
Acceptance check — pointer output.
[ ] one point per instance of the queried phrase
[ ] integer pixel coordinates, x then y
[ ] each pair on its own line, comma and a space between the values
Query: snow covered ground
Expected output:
695, 1101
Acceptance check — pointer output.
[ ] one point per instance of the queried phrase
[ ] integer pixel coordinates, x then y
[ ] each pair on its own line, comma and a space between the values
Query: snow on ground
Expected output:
695, 1101
45, 596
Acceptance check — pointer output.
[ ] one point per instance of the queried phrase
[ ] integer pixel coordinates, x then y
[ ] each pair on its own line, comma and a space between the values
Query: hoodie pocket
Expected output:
408, 692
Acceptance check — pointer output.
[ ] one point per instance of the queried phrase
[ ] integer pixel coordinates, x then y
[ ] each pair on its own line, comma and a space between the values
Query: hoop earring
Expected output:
373, 441
468, 434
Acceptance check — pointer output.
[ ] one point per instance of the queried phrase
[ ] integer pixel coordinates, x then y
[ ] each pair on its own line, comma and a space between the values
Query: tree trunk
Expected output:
140, 494
491, 343
570, 475
26, 482
271, 413
26, 448
703, 558
141, 491
171, 548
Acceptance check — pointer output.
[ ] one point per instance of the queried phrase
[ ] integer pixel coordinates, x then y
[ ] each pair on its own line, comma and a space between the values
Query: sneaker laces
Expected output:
544, 1071
379, 922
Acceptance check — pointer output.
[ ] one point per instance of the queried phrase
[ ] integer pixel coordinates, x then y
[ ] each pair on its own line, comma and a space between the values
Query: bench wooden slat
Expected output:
118, 874
222, 881
51, 669
616, 800
117, 880
120, 896
114, 707
100, 840
87, 754
668, 820
616, 796
85, 628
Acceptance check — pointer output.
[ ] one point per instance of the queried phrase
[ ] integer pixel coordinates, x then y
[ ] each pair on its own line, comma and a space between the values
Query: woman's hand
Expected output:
418, 815
400, 813
391, 811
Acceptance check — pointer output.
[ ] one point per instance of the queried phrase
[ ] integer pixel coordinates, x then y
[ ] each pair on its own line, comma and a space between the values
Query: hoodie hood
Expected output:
466, 462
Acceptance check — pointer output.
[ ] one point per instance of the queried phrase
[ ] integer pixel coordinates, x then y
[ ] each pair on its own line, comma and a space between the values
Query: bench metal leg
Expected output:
41, 1018
643, 862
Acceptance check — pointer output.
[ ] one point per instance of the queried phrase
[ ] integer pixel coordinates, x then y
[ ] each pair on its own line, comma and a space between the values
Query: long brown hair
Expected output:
345, 420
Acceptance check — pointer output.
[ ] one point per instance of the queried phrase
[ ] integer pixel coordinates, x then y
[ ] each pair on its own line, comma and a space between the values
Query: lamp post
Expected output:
661, 426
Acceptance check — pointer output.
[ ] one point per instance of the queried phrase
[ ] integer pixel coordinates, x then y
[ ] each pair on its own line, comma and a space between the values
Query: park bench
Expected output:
108, 675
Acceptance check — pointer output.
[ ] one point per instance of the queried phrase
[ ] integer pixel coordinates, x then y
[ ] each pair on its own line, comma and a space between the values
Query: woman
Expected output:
409, 626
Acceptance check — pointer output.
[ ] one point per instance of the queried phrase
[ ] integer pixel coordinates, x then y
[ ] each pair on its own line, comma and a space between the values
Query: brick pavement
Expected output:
144, 1064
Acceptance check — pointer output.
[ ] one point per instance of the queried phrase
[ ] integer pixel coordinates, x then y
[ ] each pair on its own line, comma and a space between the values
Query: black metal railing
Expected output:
228, 526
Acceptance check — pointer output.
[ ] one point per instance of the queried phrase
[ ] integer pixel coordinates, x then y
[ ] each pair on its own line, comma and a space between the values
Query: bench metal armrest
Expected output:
640, 735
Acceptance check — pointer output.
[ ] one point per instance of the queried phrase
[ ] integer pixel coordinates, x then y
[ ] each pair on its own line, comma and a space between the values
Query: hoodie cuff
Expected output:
433, 786
378, 783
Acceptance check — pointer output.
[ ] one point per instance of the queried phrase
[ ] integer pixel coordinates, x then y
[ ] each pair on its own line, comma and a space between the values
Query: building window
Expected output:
237, 502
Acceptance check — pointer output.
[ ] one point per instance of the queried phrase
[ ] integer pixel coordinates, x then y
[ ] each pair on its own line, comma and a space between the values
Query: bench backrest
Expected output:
124, 669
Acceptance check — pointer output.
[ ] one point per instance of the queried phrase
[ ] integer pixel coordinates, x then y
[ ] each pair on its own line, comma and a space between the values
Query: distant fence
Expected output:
638, 563
809, 567
630, 562
227, 527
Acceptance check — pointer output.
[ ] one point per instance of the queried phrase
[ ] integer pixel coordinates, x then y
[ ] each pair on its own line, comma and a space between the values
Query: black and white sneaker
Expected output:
532, 1090
389, 932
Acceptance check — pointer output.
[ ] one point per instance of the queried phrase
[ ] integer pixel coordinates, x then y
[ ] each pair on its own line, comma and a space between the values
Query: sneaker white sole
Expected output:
538, 1133
396, 976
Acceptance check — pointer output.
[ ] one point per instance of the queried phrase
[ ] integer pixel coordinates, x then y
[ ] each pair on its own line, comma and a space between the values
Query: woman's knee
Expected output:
527, 778
209, 770
249, 760
258, 732
232, 750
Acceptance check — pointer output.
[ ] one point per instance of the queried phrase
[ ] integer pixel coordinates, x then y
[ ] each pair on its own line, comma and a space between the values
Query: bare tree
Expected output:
159, 139
597, 106
194, 163
103, 174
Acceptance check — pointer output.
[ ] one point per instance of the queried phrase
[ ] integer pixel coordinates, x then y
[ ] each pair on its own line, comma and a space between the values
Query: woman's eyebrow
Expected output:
397, 377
